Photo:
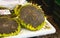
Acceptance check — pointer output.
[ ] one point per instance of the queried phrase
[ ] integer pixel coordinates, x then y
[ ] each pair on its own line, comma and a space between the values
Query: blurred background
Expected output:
51, 9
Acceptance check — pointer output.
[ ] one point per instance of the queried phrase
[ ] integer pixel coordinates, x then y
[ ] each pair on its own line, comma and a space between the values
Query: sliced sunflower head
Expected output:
31, 16
9, 26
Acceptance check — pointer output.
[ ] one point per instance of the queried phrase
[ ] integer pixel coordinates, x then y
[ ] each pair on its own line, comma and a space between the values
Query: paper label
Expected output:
4, 12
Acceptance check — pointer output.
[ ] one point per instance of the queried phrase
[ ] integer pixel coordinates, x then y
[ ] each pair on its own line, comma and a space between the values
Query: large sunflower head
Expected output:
31, 16
9, 26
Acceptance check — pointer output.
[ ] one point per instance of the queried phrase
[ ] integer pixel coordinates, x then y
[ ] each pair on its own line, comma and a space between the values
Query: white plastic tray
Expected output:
11, 3
44, 31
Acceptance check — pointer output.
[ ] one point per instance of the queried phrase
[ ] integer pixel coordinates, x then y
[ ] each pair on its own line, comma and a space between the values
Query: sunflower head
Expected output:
9, 26
31, 16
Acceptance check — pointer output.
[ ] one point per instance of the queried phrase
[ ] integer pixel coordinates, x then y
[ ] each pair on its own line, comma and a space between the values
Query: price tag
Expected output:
4, 12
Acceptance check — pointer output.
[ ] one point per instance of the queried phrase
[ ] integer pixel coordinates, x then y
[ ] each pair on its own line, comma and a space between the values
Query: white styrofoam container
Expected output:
26, 33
